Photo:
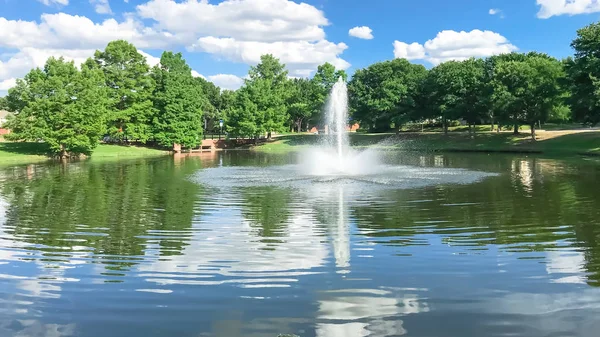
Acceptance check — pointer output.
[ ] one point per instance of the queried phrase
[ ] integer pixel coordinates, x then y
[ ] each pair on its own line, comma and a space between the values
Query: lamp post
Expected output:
220, 128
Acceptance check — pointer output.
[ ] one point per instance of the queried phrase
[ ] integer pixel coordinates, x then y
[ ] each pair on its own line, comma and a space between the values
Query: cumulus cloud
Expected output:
301, 57
101, 6
51, 2
242, 30
78, 32
413, 51
550, 8
197, 74
227, 81
235, 30
28, 58
249, 20
7, 84
451, 45
152, 60
362, 32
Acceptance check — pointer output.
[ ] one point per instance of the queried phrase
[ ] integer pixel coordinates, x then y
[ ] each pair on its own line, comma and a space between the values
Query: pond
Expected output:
478, 245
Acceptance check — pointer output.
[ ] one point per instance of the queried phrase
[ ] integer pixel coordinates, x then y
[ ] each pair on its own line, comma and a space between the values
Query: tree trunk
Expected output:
269, 135
516, 129
533, 131
63, 152
398, 130
445, 123
492, 129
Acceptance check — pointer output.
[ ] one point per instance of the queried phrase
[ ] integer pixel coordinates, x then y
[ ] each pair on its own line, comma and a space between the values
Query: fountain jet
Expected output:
337, 117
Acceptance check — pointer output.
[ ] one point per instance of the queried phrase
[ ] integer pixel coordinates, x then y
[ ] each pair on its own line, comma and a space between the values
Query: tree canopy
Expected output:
59, 105
116, 96
130, 105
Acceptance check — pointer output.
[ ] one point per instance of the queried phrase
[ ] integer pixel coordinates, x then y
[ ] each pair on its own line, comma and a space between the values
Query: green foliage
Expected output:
386, 93
129, 90
212, 108
178, 100
261, 103
456, 90
584, 75
528, 90
59, 105
299, 103
321, 84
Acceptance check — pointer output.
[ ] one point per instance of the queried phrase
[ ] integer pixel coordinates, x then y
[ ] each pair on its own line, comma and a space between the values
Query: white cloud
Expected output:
496, 11
301, 57
550, 8
249, 20
242, 30
28, 58
236, 30
152, 60
58, 2
226, 81
452, 45
197, 74
7, 84
77, 32
408, 51
362, 32
101, 6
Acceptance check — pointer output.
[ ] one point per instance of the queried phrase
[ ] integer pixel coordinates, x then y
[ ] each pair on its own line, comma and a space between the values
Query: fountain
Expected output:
337, 117
333, 161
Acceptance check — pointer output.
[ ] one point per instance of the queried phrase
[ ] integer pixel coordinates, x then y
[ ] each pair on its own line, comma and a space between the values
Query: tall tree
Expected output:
260, 106
528, 90
130, 91
212, 110
299, 103
456, 89
325, 77
584, 75
61, 106
386, 93
178, 101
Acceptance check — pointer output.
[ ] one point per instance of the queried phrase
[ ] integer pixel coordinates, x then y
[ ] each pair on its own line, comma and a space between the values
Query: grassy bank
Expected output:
26, 153
550, 142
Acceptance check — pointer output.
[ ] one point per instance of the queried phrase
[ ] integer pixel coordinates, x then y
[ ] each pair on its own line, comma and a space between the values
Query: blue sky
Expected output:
221, 39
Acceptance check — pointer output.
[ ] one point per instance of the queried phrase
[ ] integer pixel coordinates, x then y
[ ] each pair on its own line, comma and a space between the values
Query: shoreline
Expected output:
561, 143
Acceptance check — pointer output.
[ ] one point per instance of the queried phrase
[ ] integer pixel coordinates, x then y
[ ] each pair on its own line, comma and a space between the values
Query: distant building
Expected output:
349, 128
3, 117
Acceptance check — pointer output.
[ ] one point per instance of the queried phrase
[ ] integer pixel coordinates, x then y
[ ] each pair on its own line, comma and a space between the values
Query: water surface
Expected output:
508, 247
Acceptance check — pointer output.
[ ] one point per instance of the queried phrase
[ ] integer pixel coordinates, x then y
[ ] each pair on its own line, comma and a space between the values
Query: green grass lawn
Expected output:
557, 142
26, 153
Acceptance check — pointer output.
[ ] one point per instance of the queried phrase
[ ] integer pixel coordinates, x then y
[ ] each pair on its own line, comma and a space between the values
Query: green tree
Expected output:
61, 106
528, 90
321, 83
178, 101
212, 110
130, 91
456, 90
261, 102
584, 75
299, 103
386, 93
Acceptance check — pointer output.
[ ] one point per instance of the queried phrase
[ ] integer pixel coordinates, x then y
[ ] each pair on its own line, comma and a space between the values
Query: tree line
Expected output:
117, 96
